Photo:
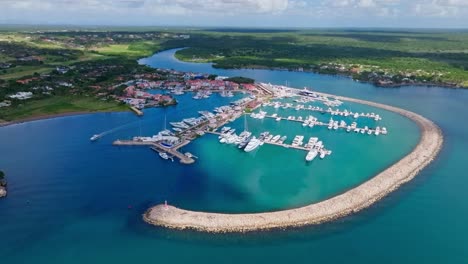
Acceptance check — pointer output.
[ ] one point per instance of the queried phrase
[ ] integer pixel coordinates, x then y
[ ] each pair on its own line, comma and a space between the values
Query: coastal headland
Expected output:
350, 202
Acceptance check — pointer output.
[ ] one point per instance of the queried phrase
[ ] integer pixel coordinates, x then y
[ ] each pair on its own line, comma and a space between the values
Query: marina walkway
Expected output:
158, 147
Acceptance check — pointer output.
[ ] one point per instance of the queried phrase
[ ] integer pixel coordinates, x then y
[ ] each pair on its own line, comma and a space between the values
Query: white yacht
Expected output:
230, 139
253, 144
275, 138
179, 124
282, 139
311, 155
164, 155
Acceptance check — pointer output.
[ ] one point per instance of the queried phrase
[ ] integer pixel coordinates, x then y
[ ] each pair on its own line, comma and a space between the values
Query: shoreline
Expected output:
51, 116
342, 74
349, 202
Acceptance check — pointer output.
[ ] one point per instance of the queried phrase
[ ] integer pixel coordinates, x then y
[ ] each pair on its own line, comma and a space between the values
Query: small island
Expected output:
3, 184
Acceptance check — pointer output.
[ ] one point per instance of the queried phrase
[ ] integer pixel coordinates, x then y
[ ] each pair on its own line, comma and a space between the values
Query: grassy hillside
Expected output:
58, 105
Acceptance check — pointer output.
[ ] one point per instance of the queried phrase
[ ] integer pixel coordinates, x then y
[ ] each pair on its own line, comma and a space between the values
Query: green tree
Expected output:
2, 179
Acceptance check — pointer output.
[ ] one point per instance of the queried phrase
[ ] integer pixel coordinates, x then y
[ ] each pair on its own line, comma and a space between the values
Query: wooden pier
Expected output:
158, 147
137, 111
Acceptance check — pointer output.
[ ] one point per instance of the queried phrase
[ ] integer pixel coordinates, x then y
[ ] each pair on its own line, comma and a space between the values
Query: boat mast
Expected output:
245, 123
139, 122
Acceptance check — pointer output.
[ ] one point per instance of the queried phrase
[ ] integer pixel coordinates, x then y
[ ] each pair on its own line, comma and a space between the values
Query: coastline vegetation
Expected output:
436, 57
59, 105
240, 80
35, 60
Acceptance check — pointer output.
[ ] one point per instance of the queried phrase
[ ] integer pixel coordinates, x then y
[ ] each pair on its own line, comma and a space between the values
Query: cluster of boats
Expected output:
178, 91
316, 148
259, 115
191, 122
346, 113
308, 96
304, 100
223, 109
243, 140
202, 95
249, 143
366, 130
334, 103
335, 125
226, 94
310, 121
334, 112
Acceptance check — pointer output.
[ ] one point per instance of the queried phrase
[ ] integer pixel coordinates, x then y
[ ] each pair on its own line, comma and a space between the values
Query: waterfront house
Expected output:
21, 95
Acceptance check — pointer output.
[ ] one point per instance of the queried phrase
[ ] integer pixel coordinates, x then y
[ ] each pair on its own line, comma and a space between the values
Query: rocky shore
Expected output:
347, 203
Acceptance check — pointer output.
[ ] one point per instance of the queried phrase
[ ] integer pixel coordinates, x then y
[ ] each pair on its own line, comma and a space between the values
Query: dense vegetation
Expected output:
412, 53
58, 105
240, 80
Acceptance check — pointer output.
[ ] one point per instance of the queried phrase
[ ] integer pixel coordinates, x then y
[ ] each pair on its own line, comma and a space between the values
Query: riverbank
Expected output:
378, 80
342, 74
347, 203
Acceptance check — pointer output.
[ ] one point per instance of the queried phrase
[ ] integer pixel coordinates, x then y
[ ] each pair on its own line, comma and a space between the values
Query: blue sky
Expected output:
240, 13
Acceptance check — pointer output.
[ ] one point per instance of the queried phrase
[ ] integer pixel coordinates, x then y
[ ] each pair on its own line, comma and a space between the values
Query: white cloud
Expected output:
199, 6
366, 3
233, 12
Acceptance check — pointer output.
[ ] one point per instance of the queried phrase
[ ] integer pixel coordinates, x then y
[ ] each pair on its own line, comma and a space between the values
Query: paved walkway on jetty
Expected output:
174, 151
347, 203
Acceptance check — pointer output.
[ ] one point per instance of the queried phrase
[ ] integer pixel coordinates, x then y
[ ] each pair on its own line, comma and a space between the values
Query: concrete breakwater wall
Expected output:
352, 201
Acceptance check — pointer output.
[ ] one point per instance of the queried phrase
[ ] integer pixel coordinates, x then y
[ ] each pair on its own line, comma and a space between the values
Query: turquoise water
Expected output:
69, 199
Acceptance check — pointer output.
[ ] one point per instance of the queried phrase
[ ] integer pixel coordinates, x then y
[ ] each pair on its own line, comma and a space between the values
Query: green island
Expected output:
52, 71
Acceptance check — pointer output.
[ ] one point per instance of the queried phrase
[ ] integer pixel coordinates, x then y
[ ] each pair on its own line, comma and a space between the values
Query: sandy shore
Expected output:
347, 203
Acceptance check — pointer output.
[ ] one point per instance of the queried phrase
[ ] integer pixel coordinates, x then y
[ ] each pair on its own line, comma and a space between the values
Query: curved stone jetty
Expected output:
347, 203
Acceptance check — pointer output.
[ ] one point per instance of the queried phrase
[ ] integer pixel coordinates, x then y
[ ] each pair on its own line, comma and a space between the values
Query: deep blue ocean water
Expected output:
72, 201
